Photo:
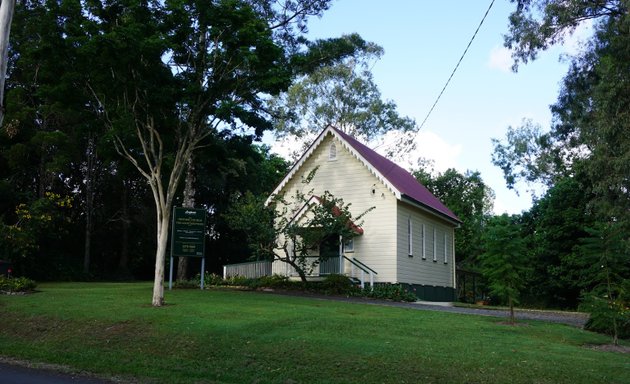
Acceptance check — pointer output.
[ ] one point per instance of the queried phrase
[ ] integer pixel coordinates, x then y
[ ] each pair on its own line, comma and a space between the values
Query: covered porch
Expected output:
316, 269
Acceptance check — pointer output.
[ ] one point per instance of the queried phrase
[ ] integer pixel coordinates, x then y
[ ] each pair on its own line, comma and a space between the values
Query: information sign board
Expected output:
189, 227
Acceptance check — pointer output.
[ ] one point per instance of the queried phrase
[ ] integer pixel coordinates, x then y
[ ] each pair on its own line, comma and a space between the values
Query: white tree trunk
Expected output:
149, 164
160, 255
6, 16
163, 193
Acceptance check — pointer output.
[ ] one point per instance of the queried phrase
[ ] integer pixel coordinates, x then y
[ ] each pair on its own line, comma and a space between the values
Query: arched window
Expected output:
332, 152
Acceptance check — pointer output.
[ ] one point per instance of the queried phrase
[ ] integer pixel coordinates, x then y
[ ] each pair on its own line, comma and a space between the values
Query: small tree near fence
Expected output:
606, 253
504, 262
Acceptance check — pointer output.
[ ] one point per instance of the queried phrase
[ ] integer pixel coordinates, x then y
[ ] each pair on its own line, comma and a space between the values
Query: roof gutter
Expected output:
426, 208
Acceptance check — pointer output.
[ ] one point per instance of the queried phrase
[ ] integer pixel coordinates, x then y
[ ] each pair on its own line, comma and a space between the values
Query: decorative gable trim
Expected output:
298, 164
369, 166
309, 152
397, 180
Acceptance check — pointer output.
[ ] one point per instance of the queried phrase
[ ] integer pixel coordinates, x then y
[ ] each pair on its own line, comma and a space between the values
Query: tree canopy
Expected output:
536, 25
504, 261
341, 94
583, 157
156, 81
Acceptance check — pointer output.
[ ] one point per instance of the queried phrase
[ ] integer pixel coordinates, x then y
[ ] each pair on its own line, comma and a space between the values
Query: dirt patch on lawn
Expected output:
609, 348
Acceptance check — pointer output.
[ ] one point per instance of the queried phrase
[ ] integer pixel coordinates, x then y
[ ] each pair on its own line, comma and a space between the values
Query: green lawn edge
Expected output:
227, 336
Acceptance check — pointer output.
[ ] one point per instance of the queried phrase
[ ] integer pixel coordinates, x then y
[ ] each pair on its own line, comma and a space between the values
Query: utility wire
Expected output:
457, 66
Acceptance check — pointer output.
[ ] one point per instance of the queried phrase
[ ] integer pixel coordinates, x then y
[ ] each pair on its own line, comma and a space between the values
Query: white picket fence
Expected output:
255, 269
250, 270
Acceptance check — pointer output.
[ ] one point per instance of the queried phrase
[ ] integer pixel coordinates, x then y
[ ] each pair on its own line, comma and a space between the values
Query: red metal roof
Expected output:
399, 178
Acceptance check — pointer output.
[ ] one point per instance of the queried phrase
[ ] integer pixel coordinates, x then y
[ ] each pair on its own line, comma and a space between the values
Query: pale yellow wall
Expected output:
347, 178
415, 269
384, 245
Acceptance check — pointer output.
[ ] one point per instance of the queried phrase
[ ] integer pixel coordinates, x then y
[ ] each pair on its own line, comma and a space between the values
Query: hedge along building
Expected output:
407, 237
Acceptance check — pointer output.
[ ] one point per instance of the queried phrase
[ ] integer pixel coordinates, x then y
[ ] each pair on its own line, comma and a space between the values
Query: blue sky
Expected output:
423, 40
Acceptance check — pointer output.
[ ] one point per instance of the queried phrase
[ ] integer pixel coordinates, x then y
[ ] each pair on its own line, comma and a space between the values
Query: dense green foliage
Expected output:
553, 227
343, 95
243, 337
16, 284
505, 263
608, 300
580, 228
608, 314
339, 285
88, 80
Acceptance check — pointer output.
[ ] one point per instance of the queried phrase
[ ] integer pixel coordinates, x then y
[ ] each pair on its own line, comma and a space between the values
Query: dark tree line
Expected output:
107, 101
578, 231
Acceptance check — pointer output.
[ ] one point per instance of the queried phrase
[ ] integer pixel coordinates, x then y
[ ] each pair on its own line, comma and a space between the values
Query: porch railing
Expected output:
251, 270
332, 265
322, 268
362, 270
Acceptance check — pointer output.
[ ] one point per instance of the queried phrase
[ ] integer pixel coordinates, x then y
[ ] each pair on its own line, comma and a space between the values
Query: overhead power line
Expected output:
457, 66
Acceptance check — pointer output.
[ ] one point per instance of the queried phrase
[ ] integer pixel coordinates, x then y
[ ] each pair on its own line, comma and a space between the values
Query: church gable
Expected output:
333, 146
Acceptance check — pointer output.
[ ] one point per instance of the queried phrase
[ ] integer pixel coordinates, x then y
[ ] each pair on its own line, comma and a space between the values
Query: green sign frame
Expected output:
189, 228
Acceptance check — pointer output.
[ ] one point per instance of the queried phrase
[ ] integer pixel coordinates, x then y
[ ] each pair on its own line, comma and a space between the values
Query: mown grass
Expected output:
223, 336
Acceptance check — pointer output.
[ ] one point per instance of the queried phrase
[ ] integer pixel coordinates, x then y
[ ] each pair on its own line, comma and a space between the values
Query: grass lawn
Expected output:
223, 336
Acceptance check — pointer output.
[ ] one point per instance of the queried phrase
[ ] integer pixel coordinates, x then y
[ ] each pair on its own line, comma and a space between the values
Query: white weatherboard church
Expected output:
407, 238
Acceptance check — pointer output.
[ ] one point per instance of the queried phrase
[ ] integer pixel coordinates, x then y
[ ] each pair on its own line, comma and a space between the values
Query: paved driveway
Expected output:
16, 374
571, 318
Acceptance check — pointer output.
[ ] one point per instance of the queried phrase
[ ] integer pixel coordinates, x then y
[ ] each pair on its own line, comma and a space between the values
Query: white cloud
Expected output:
290, 148
428, 145
574, 43
501, 59
431, 146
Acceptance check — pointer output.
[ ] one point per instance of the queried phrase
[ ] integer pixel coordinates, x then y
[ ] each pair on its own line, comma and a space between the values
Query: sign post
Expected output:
188, 235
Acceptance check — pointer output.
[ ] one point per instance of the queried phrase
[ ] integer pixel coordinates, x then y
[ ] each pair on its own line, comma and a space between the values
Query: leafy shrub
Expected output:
332, 285
604, 313
339, 285
239, 281
395, 292
186, 284
212, 279
16, 284
273, 281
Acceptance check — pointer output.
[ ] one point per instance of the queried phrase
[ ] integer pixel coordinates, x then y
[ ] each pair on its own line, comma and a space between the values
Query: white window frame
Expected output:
445, 248
348, 245
410, 236
424, 242
434, 246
